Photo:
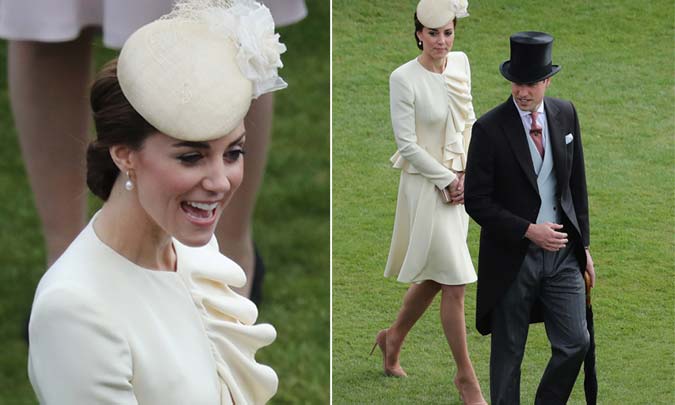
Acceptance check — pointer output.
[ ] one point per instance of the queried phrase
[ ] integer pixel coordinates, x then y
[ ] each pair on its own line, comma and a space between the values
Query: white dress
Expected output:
432, 115
62, 20
106, 331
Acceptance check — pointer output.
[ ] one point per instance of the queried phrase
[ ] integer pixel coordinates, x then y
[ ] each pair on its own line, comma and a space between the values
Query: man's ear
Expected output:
123, 157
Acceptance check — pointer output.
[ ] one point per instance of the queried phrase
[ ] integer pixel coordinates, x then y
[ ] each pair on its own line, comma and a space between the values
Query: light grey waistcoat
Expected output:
549, 211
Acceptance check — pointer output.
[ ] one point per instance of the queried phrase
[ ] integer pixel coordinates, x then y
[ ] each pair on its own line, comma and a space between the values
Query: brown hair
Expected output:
419, 26
117, 123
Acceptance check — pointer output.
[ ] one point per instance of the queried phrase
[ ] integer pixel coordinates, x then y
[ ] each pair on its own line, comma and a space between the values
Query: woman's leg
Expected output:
454, 326
49, 85
416, 300
234, 231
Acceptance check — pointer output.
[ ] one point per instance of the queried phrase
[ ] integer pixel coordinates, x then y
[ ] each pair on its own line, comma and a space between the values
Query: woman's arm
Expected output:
403, 122
77, 355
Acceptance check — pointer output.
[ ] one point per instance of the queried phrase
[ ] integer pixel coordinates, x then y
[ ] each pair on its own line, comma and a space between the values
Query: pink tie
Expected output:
536, 134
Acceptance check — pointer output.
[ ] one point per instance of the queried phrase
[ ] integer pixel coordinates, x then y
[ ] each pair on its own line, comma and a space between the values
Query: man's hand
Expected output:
546, 236
590, 269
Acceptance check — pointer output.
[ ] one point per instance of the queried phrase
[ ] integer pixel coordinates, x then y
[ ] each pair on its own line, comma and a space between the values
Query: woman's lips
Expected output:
198, 213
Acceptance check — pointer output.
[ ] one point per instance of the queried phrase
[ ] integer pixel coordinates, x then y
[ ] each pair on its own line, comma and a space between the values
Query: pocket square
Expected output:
568, 138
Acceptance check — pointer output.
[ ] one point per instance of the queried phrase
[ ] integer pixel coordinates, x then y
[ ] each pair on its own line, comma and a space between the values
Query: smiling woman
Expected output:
142, 297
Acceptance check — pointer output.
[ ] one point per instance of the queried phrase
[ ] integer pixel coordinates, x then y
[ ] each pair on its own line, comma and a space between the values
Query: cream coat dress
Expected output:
106, 331
432, 115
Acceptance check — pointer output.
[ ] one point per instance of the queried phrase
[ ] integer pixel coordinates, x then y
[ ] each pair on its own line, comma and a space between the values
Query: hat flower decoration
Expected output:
460, 8
193, 73
259, 56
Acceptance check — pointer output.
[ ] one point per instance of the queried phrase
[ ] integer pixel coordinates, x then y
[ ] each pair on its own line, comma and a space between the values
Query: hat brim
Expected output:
504, 70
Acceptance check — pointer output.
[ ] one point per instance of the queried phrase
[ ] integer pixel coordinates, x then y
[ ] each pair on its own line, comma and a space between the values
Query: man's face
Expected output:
529, 96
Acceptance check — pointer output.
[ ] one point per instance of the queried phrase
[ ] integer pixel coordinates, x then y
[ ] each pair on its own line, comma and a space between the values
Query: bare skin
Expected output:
415, 302
52, 118
456, 189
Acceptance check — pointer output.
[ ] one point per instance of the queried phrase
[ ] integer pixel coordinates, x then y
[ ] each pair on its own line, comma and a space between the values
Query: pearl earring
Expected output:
419, 43
129, 185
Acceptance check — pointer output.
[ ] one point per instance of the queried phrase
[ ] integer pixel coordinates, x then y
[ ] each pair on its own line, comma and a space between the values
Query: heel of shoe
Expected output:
463, 401
373, 349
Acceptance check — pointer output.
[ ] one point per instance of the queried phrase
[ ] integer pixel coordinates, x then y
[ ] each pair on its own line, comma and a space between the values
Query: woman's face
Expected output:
184, 186
437, 42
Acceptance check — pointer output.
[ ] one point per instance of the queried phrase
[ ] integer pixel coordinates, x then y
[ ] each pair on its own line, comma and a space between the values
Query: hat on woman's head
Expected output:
193, 73
437, 13
531, 58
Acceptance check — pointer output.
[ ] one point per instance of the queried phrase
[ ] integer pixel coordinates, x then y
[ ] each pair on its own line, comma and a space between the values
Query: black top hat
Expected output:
530, 58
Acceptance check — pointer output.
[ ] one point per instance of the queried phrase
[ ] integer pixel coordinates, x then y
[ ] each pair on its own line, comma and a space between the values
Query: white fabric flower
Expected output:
250, 26
460, 8
260, 51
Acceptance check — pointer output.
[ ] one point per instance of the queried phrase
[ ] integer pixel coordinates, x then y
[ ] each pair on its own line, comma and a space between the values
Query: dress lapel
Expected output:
515, 133
557, 145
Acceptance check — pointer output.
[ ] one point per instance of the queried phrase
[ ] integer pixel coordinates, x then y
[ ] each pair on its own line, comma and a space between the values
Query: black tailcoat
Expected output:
501, 195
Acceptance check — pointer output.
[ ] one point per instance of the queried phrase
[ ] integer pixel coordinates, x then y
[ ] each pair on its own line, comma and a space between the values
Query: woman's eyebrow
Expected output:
188, 144
236, 141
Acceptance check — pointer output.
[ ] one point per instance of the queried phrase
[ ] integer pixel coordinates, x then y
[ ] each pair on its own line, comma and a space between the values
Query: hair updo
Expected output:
117, 123
419, 26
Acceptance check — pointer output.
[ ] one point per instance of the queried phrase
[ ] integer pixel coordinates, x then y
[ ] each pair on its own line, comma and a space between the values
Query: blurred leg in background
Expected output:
234, 231
49, 87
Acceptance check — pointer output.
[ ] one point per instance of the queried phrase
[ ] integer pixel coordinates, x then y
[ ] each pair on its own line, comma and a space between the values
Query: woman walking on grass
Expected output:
432, 115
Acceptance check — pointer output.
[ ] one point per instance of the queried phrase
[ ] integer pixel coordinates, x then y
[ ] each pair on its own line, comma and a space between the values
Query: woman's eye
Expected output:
190, 158
234, 155
448, 33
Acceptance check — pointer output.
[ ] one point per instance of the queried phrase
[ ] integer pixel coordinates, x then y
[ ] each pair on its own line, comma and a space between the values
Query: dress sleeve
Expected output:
77, 355
402, 104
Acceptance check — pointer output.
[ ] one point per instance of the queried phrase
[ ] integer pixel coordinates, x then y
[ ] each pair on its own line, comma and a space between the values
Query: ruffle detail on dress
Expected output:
461, 117
228, 319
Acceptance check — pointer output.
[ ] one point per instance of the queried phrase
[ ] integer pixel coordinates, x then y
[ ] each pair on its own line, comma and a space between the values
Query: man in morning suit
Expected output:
526, 188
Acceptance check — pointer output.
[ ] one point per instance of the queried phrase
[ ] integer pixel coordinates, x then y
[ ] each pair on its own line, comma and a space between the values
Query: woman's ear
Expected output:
122, 156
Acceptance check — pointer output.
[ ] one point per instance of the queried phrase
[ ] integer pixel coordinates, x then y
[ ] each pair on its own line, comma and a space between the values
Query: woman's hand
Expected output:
456, 189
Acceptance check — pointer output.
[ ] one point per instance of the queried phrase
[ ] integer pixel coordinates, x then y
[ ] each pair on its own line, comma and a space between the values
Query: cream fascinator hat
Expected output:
437, 13
193, 73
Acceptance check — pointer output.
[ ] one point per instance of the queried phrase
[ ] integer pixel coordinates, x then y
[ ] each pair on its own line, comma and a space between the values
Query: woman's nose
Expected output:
217, 179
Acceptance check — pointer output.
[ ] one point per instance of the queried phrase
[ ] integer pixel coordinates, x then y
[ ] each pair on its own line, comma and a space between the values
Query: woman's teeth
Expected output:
203, 206
199, 211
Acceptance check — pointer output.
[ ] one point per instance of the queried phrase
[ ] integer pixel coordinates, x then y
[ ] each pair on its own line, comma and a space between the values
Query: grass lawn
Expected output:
291, 226
617, 59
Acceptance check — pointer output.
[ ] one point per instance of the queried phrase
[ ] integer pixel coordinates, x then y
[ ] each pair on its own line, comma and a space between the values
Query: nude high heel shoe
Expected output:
464, 388
381, 340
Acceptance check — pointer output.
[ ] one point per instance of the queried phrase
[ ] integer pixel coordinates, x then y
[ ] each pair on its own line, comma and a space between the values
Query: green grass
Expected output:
617, 59
291, 226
